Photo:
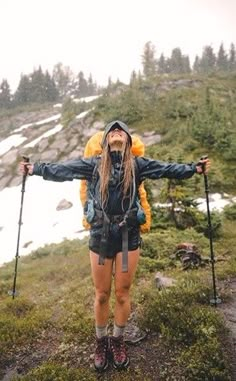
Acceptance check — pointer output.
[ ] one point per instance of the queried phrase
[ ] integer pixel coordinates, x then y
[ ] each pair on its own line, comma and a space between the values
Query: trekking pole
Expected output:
216, 300
13, 292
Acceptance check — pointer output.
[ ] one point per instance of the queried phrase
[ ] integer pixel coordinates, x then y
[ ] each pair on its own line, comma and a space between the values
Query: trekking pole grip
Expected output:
203, 164
25, 160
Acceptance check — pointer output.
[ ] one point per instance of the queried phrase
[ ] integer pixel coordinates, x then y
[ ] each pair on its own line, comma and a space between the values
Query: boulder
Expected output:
163, 281
64, 204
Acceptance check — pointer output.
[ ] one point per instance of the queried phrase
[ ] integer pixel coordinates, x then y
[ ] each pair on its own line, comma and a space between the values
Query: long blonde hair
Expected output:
127, 164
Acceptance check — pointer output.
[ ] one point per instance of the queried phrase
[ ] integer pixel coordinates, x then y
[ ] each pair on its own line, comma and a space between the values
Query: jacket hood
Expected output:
112, 126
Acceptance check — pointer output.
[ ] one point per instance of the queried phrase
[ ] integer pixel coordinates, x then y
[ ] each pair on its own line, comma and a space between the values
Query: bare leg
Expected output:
102, 277
123, 283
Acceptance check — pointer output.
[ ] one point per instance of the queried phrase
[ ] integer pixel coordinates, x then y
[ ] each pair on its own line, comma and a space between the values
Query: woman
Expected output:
114, 215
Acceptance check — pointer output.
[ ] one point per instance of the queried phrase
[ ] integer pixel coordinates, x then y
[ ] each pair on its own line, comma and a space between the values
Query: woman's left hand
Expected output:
203, 166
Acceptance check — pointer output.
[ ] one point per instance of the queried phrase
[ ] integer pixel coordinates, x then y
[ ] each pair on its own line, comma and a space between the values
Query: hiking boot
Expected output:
101, 354
119, 352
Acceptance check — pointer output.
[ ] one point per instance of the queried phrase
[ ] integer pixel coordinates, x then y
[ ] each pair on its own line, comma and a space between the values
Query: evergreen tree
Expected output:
179, 63
109, 82
222, 60
196, 65
161, 65
23, 91
82, 89
168, 65
51, 92
91, 86
186, 64
208, 60
5, 94
232, 58
63, 78
148, 60
37, 86
133, 78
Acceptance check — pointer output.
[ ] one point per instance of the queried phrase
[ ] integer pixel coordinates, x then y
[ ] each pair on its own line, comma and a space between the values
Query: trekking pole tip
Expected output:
215, 301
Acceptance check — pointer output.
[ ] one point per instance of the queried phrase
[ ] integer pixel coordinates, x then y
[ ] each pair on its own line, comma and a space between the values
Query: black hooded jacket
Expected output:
82, 168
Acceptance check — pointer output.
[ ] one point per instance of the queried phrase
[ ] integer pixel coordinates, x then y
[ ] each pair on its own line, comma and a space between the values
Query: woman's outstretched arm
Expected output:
64, 171
155, 169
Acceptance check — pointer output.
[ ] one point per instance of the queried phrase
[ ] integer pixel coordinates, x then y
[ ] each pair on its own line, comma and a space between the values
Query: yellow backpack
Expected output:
93, 148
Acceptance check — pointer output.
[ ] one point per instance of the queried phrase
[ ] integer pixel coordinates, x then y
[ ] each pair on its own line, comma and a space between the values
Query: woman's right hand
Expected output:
26, 168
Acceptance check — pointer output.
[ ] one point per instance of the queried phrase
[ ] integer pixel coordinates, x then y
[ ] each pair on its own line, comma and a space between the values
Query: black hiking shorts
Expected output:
114, 241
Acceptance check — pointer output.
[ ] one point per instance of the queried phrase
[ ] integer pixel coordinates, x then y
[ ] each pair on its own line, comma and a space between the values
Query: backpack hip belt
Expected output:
122, 221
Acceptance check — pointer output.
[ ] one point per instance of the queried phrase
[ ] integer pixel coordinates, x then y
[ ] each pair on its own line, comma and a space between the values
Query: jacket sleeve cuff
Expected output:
35, 169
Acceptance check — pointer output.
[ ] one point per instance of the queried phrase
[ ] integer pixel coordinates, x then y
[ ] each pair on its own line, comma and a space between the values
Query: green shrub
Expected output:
205, 360
20, 322
55, 372
180, 317
230, 212
176, 313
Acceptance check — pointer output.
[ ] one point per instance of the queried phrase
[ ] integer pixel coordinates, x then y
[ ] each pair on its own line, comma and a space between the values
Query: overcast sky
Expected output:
106, 37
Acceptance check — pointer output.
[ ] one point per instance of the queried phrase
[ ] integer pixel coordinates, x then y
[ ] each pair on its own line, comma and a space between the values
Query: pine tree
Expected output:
109, 82
37, 86
222, 60
148, 60
178, 63
5, 94
196, 65
23, 91
208, 60
133, 78
161, 65
186, 64
63, 78
51, 92
91, 86
232, 58
82, 89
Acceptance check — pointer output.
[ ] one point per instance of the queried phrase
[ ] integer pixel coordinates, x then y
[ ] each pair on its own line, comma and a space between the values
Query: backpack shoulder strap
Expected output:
94, 179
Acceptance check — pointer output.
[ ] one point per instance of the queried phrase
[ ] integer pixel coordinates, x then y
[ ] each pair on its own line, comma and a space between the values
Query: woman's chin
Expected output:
116, 145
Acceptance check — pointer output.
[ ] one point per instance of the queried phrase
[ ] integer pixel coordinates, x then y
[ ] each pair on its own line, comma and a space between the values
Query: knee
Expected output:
122, 295
102, 297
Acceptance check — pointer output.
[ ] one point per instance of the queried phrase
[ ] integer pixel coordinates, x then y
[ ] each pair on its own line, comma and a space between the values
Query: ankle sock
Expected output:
118, 330
101, 331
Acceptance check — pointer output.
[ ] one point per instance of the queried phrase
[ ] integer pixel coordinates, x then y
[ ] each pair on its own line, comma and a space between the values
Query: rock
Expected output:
10, 157
42, 145
98, 125
163, 282
64, 204
26, 244
153, 139
15, 181
148, 133
5, 181
50, 155
76, 153
59, 143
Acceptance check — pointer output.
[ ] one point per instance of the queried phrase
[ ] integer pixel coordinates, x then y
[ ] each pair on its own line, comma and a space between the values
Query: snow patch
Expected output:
42, 223
11, 141
51, 132
86, 99
41, 122
82, 114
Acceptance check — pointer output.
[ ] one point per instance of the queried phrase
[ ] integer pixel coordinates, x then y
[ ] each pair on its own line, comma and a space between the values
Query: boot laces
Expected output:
118, 349
101, 348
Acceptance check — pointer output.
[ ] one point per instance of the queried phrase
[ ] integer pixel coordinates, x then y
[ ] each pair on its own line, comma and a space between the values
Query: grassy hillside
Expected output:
47, 332
195, 115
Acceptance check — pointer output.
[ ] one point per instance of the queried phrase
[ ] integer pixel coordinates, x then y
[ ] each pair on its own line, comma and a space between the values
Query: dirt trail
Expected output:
229, 311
